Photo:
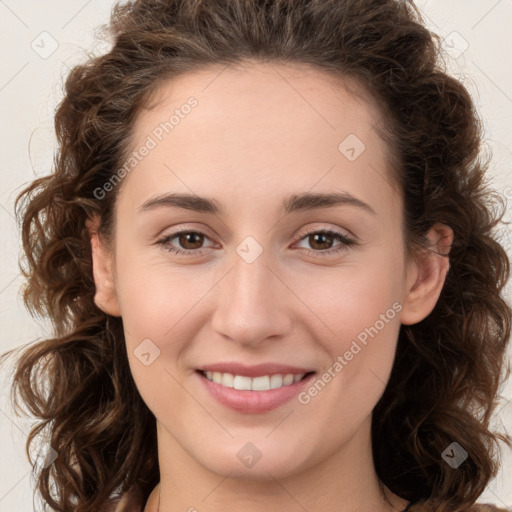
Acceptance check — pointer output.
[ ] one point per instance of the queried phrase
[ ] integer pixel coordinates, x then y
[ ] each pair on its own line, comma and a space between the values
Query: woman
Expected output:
267, 250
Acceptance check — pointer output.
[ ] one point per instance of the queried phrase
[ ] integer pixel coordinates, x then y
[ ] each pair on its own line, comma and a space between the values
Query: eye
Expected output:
188, 239
191, 241
318, 238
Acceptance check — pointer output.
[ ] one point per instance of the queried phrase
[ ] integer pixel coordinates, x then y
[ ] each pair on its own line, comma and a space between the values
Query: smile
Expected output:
262, 383
253, 395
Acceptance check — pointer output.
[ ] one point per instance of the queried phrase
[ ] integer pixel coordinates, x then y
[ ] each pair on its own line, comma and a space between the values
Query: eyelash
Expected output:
346, 243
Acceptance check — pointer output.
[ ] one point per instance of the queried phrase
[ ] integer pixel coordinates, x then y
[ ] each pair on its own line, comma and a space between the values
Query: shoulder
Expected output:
487, 507
477, 507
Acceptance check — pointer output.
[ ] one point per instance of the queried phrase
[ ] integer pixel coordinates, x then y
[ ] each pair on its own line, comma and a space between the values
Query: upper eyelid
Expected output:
302, 234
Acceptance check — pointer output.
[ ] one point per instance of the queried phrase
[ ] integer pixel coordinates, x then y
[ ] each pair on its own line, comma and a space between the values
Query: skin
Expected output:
259, 133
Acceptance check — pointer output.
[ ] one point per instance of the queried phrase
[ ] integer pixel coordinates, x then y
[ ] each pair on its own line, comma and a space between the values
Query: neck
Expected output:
346, 477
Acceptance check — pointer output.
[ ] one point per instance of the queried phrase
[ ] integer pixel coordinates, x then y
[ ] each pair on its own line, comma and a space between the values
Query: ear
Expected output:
426, 276
105, 295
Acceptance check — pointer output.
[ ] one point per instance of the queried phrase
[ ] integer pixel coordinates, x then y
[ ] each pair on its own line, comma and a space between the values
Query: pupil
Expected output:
193, 235
320, 236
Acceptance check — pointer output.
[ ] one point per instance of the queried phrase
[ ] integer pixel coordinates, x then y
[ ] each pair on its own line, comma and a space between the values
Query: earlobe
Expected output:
105, 295
426, 276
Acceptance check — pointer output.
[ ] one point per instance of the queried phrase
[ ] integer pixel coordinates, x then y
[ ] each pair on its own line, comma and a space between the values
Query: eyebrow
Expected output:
291, 204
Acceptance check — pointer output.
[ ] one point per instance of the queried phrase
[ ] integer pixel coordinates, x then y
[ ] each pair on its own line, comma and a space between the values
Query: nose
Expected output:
252, 304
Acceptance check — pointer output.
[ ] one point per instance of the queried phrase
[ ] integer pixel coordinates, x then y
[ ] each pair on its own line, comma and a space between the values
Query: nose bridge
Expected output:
250, 305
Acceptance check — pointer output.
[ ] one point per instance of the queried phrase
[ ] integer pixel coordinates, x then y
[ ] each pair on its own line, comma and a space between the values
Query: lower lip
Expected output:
253, 402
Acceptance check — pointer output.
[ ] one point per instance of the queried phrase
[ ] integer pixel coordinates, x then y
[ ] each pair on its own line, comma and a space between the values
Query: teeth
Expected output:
227, 380
263, 383
287, 379
259, 383
276, 381
243, 383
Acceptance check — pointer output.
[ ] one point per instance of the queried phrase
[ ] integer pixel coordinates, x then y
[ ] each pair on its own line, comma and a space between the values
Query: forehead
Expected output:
257, 127
252, 96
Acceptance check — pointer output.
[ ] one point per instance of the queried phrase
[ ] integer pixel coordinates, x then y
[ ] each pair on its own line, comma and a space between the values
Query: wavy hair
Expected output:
448, 369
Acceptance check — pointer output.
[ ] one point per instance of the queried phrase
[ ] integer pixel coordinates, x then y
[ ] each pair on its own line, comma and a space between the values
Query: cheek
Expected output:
153, 294
156, 297
155, 304
359, 309
352, 299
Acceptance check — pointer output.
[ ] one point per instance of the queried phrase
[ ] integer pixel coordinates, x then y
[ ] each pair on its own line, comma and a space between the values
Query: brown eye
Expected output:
190, 240
322, 242
318, 241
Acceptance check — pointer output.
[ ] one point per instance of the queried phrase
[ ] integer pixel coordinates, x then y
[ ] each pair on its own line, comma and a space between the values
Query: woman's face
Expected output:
259, 282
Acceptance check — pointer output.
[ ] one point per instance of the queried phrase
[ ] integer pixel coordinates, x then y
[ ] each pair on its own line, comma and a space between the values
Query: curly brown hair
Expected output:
448, 369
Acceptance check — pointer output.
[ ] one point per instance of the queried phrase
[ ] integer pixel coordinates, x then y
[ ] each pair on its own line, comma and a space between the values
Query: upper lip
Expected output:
254, 371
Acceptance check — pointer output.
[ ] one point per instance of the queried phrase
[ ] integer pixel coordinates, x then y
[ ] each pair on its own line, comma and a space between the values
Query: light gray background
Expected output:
477, 35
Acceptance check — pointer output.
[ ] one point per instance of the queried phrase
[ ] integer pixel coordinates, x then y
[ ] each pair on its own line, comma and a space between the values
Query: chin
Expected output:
249, 463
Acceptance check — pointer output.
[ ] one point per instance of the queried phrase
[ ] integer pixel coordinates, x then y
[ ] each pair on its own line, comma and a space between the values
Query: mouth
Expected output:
260, 383
252, 395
